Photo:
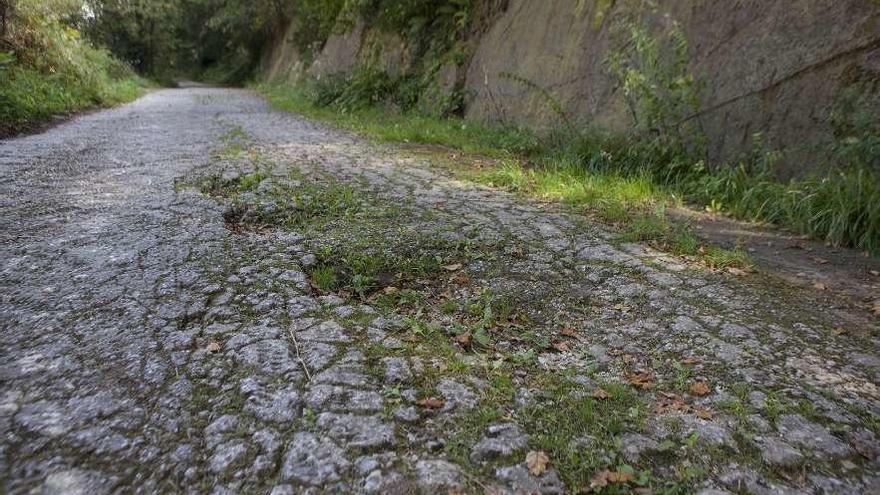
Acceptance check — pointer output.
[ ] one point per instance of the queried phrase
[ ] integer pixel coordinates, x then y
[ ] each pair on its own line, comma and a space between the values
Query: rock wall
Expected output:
774, 67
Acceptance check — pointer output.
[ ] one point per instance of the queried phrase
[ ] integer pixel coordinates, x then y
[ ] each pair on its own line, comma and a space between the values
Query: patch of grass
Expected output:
382, 125
620, 178
324, 278
561, 424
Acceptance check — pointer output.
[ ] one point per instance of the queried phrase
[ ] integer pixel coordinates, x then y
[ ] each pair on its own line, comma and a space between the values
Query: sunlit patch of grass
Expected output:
722, 258
324, 278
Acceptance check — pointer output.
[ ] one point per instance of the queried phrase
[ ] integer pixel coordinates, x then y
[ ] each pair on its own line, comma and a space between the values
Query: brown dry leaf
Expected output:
453, 267
461, 279
603, 478
703, 413
628, 359
818, 260
390, 290
561, 346
537, 462
669, 402
819, 286
839, 331
641, 380
568, 332
736, 272
213, 347
620, 476
464, 339
431, 403
601, 394
623, 308
688, 361
599, 480
700, 388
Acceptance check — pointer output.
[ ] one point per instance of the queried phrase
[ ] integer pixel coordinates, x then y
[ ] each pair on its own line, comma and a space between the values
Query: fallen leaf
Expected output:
390, 290
736, 272
875, 273
599, 480
700, 388
464, 339
688, 361
453, 267
461, 279
621, 307
568, 332
601, 394
641, 380
603, 478
620, 476
669, 402
821, 261
628, 359
819, 286
213, 347
537, 461
839, 331
561, 346
703, 413
431, 403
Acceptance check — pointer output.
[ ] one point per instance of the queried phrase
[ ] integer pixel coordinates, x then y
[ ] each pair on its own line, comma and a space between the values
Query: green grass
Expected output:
382, 125
54, 71
622, 180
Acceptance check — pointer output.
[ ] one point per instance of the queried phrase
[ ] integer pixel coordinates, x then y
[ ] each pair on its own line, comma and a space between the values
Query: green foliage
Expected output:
652, 70
857, 127
52, 69
217, 40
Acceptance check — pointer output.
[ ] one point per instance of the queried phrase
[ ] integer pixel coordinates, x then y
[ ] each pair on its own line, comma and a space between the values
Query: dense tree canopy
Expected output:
187, 36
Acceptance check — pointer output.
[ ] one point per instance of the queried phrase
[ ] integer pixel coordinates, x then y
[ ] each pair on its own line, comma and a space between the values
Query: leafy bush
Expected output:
53, 70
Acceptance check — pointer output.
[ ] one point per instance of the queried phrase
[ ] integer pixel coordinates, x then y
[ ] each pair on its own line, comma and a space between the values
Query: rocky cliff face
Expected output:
774, 67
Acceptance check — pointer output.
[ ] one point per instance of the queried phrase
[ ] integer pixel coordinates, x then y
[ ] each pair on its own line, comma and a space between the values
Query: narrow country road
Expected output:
164, 328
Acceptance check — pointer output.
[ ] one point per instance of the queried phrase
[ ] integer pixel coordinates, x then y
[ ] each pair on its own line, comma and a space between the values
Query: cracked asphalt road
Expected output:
147, 348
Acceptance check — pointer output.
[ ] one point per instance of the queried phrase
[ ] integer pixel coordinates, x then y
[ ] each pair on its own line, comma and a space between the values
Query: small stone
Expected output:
313, 461
397, 370
282, 490
342, 399
227, 456
502, 440
633, 445
865, 443
797, 430
436, 476
778, 453
758, 399
357, 431
456, 395
519, 480
407, 414
75, 482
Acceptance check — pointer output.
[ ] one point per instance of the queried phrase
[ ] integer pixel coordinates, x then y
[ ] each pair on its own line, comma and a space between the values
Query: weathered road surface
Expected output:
145, 347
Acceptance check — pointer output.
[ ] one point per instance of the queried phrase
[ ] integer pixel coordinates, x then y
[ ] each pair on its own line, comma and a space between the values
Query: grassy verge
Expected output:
51, 70
623, 181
